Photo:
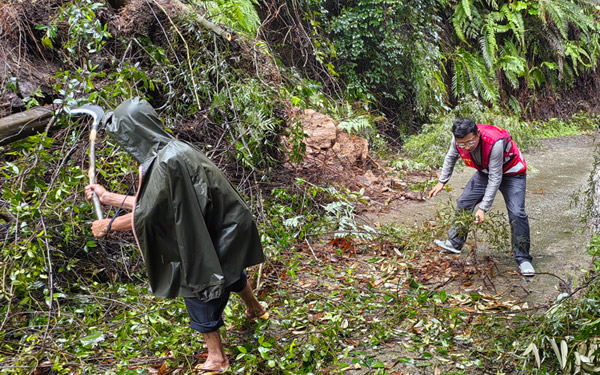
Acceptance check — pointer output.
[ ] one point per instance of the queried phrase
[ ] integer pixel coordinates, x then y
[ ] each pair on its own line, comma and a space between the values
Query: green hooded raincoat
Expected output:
195, 231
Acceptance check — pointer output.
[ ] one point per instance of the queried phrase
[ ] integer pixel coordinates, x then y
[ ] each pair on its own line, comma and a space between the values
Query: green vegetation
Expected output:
325, 315
430, 146
566, 338
580, 123
412, 59
342, 294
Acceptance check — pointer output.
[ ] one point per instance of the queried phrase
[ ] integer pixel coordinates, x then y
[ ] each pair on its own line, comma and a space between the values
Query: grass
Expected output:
580, 123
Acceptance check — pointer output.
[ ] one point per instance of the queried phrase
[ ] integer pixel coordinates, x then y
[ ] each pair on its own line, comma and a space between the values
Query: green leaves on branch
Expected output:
565, 340
86, 32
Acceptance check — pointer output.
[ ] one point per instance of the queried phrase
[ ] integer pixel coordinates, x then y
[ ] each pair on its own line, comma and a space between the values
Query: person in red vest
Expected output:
500, 166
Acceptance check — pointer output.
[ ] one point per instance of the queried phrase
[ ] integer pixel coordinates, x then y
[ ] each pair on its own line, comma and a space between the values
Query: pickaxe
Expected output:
97, 114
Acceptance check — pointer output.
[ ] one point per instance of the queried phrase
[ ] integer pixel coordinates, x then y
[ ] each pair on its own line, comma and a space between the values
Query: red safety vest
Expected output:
513, 160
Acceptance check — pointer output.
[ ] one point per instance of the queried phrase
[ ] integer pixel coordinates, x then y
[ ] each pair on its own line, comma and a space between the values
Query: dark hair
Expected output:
463, 126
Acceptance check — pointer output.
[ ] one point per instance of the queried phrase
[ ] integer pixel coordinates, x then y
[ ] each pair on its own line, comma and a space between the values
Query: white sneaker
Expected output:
526, 269
446, 245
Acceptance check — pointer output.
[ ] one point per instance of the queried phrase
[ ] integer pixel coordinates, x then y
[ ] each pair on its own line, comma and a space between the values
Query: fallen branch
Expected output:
202, 21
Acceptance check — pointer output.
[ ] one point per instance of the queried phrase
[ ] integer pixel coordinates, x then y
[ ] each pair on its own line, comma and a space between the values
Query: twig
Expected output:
309, 291
187, 50
551, 274
443, 284
9, 306
260, 269
50, 276
474, 250
311, 250
164, 32
585, 285
195, 14
50, 123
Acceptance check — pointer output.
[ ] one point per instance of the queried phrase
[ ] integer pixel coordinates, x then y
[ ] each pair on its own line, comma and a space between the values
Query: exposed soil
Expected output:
558, 178
563, 103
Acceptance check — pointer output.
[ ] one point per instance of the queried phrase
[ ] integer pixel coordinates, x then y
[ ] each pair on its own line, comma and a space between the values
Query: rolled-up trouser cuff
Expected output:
207, 316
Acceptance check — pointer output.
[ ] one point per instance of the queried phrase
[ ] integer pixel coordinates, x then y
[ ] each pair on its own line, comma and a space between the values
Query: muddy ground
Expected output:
558, 177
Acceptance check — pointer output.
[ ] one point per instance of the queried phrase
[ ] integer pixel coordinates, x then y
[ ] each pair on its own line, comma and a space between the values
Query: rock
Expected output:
326, 145
367, 179
398, 184
351, 148
321, 130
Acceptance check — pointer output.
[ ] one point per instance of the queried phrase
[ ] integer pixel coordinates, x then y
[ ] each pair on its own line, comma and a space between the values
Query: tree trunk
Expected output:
23, 124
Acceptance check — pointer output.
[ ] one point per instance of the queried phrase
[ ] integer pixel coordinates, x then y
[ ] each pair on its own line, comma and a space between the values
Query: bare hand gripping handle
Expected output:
97, 114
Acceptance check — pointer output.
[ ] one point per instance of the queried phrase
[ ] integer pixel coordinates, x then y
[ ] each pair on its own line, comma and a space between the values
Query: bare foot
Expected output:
214, 366
258, 313
216, 360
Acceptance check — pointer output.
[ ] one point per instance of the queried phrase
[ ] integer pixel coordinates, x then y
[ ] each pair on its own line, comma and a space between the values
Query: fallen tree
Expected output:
24, 124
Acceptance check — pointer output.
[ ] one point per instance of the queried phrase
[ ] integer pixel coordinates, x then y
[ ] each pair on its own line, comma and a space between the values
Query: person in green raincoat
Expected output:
195, 232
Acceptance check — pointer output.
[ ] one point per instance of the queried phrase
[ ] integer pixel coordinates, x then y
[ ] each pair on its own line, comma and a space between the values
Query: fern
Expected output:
466, 20
472, 77
459, 21
552, 11
488, 42
357, 125
514, 104
513, 67
512, 64
554, 42
492, 3
563, 12
515, 23
467, 6
535, 78
577, 53
516, 39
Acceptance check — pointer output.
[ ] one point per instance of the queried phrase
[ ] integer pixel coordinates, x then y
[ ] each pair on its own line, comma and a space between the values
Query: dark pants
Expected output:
513, 191
207, 316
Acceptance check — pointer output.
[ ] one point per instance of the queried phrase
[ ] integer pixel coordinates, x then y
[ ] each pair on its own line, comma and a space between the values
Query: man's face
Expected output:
469, 143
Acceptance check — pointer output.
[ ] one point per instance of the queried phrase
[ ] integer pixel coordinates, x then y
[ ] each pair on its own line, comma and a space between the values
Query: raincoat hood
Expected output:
195, 231
135, 126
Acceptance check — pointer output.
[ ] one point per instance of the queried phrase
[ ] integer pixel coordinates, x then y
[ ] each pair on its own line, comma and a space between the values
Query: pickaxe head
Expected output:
95, 111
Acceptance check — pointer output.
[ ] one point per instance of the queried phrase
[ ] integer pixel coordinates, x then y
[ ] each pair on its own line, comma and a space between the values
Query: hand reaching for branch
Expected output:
436, 189
479, 216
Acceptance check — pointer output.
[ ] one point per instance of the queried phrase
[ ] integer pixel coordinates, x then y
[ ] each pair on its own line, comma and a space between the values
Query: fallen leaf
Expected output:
163, 369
